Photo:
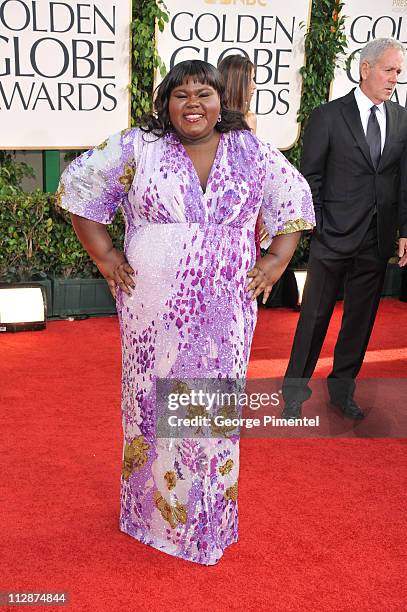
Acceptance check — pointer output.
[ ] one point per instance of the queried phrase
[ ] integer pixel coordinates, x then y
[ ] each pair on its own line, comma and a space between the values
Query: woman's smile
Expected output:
193, 117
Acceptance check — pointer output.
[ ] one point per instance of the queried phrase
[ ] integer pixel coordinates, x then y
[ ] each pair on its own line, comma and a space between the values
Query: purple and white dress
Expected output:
189, 315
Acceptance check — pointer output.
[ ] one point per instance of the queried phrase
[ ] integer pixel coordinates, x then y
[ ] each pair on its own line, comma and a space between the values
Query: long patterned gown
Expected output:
189, 315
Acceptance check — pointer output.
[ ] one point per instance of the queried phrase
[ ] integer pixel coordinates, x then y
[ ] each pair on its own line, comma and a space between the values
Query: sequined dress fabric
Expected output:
189, 315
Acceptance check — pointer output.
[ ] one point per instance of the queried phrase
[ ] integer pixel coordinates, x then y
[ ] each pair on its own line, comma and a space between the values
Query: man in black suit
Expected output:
353, 158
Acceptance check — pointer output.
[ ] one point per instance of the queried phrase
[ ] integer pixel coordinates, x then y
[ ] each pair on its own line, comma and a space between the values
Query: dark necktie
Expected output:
373, 137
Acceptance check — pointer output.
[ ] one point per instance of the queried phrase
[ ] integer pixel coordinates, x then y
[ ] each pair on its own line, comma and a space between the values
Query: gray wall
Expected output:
34, 159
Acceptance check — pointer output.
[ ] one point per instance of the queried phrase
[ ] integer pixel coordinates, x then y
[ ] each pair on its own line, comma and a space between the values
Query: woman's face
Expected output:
194, 109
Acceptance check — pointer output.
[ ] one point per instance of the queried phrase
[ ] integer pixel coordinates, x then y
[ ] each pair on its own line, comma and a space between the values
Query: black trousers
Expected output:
363, 277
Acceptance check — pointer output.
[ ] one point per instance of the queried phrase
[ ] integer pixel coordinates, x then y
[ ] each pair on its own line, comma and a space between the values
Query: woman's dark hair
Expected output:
158, 122
237, 72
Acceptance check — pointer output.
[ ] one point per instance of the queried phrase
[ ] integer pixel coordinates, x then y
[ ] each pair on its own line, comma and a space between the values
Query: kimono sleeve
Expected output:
95, 183
287, 201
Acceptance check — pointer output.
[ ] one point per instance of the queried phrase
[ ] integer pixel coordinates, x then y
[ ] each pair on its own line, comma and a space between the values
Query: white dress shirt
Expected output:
365, 104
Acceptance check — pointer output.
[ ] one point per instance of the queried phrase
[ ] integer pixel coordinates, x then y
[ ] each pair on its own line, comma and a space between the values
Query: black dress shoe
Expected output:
292, 410
349, 408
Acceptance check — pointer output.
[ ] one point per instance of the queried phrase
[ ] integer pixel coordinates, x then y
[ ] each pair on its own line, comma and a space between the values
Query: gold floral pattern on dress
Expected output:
226, 467
297, 225
59, 194
124, 131
181, 387
231, 493
135, 456
171, 479
127, 178
196, 411
102, 146
172, 514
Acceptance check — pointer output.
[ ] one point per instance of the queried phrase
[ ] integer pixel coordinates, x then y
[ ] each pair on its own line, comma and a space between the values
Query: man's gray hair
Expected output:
374, 49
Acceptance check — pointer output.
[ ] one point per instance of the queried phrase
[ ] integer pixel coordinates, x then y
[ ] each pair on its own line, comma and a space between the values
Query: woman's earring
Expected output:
219, 118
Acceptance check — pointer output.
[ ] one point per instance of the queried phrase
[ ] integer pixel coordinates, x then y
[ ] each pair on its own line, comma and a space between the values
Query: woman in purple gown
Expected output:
190, 184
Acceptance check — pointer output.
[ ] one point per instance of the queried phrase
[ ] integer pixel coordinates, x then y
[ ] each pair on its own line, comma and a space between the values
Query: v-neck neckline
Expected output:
219, 151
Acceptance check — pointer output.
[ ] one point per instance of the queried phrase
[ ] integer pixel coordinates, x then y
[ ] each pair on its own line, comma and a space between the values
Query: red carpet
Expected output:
322, 522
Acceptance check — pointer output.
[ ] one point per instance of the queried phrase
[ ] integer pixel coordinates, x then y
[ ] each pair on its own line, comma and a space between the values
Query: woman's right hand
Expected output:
117, 272
112, 263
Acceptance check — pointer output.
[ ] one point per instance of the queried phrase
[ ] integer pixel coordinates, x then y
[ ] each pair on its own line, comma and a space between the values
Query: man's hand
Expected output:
264, 275
402, 252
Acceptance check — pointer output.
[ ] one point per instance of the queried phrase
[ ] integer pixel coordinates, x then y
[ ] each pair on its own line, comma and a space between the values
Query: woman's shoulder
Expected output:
120, 139
245, 136
268, 148
250, 140
132, 134
136, 135
141, 140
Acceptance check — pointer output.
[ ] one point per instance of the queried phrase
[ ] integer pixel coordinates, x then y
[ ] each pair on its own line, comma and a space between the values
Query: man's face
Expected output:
380, 79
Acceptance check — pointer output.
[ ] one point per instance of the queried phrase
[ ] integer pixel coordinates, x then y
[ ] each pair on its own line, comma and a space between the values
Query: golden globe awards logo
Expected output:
68, 47
64, 72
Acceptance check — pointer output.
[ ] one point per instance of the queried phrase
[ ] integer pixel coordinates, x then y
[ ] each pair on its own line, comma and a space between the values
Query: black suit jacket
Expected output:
345, 186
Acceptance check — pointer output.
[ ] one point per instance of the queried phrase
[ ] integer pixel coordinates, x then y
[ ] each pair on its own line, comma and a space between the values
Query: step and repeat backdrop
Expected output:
64, 72
65, 66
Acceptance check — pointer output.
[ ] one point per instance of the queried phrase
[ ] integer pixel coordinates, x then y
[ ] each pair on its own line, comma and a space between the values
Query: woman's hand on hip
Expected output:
265, 273
117, 272
112, 263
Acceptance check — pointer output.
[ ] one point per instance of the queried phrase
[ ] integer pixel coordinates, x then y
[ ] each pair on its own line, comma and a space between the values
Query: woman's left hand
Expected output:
265, 273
